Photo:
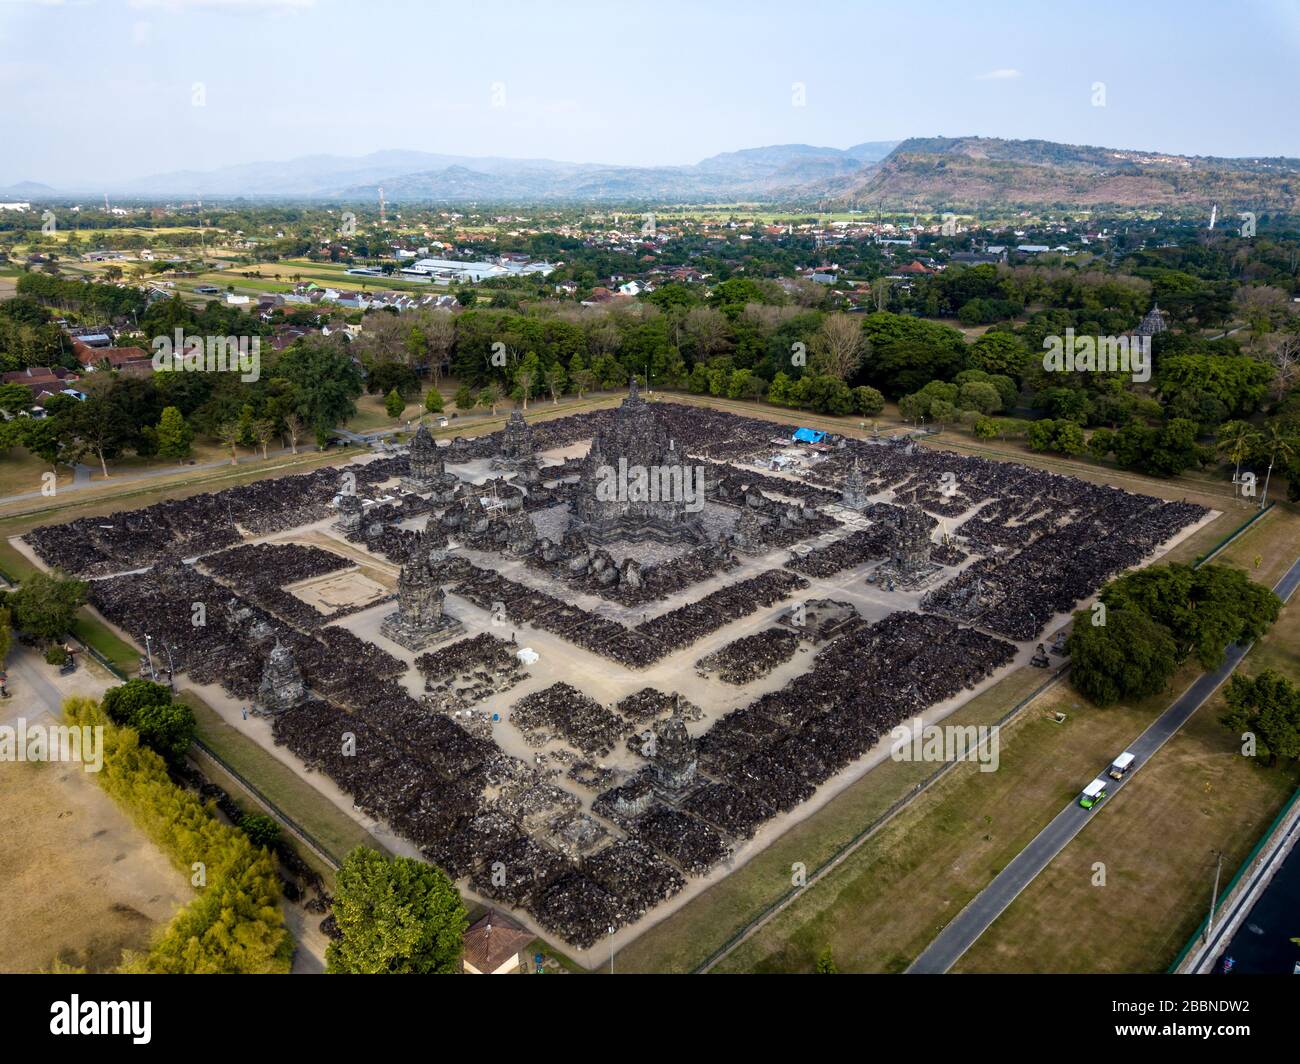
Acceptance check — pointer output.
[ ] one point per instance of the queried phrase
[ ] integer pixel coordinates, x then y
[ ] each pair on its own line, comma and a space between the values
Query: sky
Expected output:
96, 91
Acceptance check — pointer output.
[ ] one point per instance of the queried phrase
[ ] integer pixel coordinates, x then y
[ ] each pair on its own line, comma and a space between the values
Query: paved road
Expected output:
955, 939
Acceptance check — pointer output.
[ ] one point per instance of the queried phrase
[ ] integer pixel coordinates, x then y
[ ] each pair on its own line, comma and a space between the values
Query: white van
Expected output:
1120, 766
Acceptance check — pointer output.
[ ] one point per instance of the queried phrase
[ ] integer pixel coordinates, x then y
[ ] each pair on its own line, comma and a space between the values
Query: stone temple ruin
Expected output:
856, 495
282, 685
427, 472
612, 504
420, 620
908, 530
623, 769
673, 764
516, 450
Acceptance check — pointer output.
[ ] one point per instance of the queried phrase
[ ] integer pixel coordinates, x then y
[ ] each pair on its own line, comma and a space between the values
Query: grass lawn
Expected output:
335, 831
117, 493
888, 900
21, 472
879, 909
121, 654
1157, 840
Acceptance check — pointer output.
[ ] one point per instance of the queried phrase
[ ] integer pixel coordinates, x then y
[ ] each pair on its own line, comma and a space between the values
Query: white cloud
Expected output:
1001, 74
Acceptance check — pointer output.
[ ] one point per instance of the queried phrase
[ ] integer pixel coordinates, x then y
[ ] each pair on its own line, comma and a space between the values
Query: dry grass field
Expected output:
81, 883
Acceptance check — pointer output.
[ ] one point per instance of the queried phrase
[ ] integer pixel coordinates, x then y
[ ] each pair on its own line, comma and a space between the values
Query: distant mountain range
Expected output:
973, 172
960, 173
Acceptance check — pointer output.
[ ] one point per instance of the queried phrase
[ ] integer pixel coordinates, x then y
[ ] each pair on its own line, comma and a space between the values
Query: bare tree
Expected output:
263, 429
1284, 357
229, 433
293, 428
707, 329
838, 346
880, 291
440, 336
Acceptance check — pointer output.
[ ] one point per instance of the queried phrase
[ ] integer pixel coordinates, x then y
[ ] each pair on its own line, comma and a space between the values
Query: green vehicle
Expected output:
1092, 794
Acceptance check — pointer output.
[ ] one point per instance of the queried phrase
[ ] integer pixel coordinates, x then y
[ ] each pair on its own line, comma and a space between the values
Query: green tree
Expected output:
979, 396
1204, 609
489, 396
556, 381
45, 604
1267, 706
261, 829
174, 435
394, 404
433, 401
867, 401
1236, 440
167, 727
123, 702
100, 427
1101, 443
14, 399
826, 963
1131, 656
1000, 352
397, 915
325, 383
1278, 443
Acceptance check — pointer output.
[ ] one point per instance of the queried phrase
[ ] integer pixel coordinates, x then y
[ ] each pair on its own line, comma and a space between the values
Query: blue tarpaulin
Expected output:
809, 435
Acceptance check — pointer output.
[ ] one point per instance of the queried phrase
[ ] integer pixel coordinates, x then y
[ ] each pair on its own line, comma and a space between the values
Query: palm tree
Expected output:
1277, 444
1237, 440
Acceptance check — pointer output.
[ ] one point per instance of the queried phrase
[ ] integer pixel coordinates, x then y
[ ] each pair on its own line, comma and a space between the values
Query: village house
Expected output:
44, 382
131, 361
494, 945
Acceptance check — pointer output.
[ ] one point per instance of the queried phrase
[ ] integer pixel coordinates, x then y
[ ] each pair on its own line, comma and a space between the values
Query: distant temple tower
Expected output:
282, 685
349, 508
516, 444
427, 473
856, 495
1153, 323
910, 550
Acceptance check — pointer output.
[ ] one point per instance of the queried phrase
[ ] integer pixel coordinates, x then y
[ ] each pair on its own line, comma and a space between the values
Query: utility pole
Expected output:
1214, 894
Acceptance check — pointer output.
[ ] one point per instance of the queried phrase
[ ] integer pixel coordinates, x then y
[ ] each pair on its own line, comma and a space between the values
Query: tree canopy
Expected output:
397, 915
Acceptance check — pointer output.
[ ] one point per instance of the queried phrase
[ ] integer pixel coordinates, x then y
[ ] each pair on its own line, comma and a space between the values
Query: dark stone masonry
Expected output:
785, 608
